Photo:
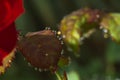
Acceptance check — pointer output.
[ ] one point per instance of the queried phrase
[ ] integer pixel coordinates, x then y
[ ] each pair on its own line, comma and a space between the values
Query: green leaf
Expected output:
111, 22
63, 61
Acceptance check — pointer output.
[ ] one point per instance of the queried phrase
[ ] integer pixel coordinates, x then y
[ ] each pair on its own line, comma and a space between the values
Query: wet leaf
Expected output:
111, 22
42, 49
77, 26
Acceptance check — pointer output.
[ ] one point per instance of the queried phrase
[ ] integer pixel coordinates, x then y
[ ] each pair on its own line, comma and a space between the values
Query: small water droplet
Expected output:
40, 70
24, 59
45, 69
62, 42
62, 52
47, 28
9, 61
29, 64
105, 30
106, 35
55, 32
60, 38
46, 54
98, 16
82, 38
63, 36
7, 65
101, 27
36, 68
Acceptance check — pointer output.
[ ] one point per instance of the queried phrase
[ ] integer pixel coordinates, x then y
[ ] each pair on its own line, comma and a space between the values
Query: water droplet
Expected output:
82, 38
62, 42
98, 16
106, 35
40, 70
63, 36
105, 30
7, 65
101, 27
55, 32
45, 69
60, 38
36, 68
59, 33
9, 61
24, 59
29, 64
62, 52
47, 28
46, 54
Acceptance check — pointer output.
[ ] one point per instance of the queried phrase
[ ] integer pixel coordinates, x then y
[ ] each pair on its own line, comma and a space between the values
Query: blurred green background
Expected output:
99, 58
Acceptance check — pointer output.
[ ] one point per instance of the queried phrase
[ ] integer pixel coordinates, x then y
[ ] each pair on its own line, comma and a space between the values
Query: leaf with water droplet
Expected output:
111, 22
77, 25
41, 49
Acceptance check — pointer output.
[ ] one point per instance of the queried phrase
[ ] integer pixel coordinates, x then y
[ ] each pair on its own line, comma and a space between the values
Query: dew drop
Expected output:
45, 69
9, 61
106, 35
98, 16
62, 52
62, 42
36, 68
60, 38
101, 27
59, 33
105, 30
54, 32
82, 38
47, 28
40, 70
63, 36
29, 64
46, 54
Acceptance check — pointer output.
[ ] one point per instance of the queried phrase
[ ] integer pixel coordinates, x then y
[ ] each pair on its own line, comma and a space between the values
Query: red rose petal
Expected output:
8, 39
9, 11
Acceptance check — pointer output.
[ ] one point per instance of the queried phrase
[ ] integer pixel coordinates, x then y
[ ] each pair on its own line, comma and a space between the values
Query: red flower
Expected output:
9, 11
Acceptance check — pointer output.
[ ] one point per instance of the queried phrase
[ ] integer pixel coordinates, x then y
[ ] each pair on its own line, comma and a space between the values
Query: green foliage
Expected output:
111, 22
